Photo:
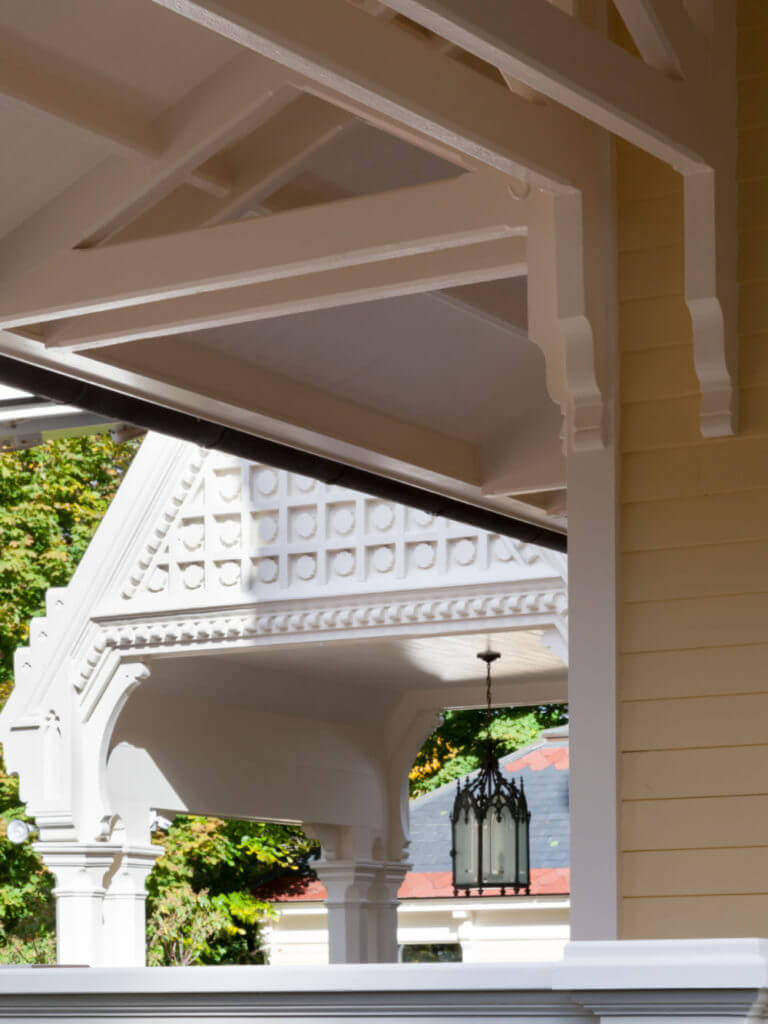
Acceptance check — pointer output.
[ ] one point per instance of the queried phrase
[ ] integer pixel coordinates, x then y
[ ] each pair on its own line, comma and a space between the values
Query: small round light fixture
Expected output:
18, 831
490, 822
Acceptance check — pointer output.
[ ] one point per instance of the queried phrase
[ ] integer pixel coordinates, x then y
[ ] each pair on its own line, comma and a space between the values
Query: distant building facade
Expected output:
433, 924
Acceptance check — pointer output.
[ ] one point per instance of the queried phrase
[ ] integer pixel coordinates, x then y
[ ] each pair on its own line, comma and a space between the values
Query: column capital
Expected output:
78, 867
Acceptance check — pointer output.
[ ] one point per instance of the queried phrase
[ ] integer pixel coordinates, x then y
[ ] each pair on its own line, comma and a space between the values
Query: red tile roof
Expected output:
543, 757
437, 884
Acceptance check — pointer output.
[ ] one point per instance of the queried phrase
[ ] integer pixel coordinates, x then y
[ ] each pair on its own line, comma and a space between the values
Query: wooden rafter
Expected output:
230, 102
407, 275
405, 222
381, 72
665, 36
567, 61
259, 165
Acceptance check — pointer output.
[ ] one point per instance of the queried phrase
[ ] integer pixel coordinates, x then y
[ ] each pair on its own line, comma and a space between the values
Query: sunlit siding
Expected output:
694, 563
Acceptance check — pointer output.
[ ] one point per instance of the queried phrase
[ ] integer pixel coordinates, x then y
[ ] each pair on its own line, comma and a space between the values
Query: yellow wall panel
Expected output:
694, 722
695, 672
751, 13
753, 252
695, 572
648, 223
665, 423
753, 49
702, 772
697, 470
690, 522
681, 917
658, 373
753, 204
753, 307
696, 622
753, 355
693, 566
737, 870
682, 824
654, 323
753, 101
649, 273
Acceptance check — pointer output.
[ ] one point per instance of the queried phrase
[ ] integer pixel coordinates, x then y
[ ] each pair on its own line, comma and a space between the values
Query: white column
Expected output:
125, 908
592, 700
79, 871
382, 912
347, 884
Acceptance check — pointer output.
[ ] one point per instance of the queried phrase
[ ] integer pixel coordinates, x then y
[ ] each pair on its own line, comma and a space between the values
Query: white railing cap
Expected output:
663, 964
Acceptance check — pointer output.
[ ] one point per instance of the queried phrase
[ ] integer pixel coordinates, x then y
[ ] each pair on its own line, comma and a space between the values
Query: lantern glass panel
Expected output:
499, 847
522, 831
465, 843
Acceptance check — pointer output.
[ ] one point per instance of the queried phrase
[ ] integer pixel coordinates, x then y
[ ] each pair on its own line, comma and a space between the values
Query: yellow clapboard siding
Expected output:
711, 466
658, 373
753, 308
666, 423
753, 253
753, 101
695, 622
695, 872
695, 672
647, 223
640, 176
648, 273
752, 52
654, 323
753, 153
672, 422
692, 522
695, 572
722, 771
753, 204
695, 722
680, 917
684, 824
753, 354
733, 517
750, 14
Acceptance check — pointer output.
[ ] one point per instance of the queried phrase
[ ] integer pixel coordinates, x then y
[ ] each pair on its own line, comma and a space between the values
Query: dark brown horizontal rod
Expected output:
113, 405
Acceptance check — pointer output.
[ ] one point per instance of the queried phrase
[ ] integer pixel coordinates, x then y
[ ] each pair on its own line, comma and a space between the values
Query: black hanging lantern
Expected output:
490, 822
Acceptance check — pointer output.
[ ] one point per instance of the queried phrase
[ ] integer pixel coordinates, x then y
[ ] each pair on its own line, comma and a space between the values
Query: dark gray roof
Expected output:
546, 789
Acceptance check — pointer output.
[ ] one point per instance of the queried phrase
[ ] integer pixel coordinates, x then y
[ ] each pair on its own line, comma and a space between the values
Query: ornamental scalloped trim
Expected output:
172, 632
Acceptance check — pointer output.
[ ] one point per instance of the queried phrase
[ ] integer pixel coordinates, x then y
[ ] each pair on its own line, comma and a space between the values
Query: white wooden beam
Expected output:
259, 165
556, 55
408, 275
381, 72
233, 100
44, 81
404, 222
665, 36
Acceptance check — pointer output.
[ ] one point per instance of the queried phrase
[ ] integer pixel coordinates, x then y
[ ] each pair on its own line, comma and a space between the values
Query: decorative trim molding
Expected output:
247, 625
166, 521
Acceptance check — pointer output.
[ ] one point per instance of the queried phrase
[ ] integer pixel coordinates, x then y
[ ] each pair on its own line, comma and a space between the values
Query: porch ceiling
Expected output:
199, 189
361, 680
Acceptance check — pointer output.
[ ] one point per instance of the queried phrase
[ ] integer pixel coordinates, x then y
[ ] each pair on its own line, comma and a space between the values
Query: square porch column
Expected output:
125, 899
80, 873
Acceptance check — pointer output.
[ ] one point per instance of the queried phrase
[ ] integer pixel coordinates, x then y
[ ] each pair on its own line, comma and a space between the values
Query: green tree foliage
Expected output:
208, 893
52, 498
456, 746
